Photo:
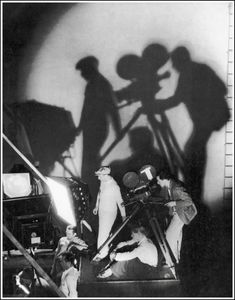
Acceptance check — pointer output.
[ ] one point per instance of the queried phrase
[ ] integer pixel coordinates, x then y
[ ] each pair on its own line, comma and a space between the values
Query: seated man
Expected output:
66, 243
138, 263
70, 276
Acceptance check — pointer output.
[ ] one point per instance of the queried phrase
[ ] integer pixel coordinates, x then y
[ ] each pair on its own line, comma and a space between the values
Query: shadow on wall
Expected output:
142, 72
47, 130
203, 93
51, 130
199, 88
98, 104
141, 143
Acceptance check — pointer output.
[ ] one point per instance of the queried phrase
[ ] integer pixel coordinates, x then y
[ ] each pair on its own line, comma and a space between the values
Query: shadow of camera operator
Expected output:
203, 94
142, 72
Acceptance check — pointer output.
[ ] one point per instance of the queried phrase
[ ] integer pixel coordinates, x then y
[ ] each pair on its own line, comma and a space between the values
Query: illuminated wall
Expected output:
109, 31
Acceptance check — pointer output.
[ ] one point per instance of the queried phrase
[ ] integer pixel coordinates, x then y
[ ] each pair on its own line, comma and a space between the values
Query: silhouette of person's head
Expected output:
140, 138
180, 57
155, 56
129, 67
88, 67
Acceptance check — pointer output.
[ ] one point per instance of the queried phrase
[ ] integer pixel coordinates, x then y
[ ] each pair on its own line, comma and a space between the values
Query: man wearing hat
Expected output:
109, 200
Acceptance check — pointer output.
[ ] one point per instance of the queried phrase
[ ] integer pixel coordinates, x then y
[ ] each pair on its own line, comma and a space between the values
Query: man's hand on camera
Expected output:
171, 204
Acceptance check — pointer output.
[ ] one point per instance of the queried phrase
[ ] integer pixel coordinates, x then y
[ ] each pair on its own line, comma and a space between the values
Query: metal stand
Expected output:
113, 235
34, 270
122, 134
159, 236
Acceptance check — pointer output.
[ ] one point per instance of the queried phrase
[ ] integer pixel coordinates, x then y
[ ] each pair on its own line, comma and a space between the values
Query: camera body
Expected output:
131, 93
143, 192
141, 186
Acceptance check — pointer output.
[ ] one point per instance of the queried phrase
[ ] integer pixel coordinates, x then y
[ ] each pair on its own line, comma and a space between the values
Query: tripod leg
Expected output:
177, 152
161, 241
38, 278
121, 136
107, 266
34, 271
156, 126
112, 236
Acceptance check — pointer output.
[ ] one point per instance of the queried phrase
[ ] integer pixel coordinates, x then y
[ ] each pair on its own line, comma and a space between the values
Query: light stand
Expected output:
32, 253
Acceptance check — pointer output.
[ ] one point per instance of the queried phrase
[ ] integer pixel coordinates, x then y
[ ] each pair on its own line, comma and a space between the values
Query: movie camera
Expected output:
142, 186
136, 90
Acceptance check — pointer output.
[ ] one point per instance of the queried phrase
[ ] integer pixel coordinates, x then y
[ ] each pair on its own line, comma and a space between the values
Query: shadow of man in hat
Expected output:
99, 104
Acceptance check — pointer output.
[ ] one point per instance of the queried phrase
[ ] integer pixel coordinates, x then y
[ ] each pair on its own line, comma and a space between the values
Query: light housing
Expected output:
16, 185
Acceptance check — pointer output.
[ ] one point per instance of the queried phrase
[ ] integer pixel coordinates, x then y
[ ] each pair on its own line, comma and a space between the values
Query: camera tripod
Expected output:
157, 231
165, 138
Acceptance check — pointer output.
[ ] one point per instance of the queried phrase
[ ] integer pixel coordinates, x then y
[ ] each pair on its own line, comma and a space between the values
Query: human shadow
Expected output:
143, 152
99, 104
203, 93
142, 72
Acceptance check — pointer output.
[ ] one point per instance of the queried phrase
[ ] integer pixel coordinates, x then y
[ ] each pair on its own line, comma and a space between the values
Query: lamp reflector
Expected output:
16, 184
62, 201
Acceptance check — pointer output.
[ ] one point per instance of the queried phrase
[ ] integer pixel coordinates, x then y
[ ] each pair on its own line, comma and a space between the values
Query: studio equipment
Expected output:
143, 194
16, 184
64, 201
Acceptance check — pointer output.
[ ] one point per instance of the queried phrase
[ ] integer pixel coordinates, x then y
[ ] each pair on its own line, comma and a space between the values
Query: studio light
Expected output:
16, 184
62, 201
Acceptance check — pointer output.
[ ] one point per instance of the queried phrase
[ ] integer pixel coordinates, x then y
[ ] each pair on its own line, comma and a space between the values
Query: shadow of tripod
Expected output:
165, 138
154, 224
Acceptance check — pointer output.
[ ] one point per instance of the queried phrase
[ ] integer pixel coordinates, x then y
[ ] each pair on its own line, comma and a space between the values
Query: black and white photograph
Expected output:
117, 141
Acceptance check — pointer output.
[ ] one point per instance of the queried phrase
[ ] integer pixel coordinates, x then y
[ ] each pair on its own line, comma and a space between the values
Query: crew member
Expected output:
70, 276
141, 262
181, 209
109, 200
64, 244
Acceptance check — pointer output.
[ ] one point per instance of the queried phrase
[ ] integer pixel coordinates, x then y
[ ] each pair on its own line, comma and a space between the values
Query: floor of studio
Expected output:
162, 284
205, 269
